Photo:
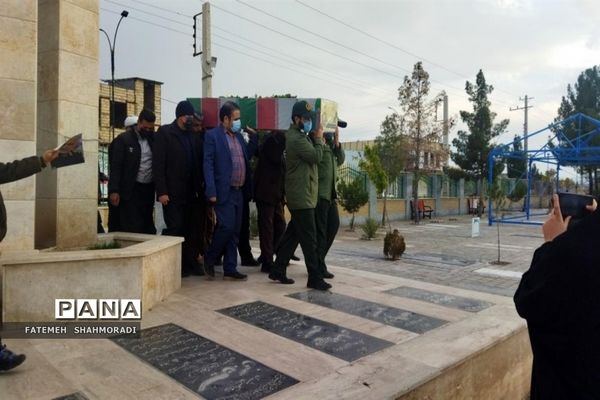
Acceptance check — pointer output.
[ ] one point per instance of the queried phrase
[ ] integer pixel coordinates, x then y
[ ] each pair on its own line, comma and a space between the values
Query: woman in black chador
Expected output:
559, 296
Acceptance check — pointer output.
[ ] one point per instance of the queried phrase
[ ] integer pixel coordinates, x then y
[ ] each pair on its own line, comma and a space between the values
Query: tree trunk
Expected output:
415, 186
352, 223
384, 208
480, 196
498, 225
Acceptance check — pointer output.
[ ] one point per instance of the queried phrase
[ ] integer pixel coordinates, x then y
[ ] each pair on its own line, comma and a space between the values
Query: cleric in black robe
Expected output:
559, 296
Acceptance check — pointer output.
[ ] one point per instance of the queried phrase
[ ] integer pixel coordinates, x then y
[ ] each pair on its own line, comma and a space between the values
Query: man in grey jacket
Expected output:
10, 172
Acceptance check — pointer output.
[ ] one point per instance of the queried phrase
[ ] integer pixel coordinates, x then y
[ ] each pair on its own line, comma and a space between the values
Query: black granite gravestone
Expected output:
329, 338
443, 299
205, 367
392, 316
72, 396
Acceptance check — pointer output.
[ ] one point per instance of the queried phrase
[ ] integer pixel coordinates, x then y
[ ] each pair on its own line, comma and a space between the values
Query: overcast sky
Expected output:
533, 47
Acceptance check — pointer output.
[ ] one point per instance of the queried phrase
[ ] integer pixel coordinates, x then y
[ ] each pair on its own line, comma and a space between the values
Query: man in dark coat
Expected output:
131, 184
177, 169
268, 193
10, 172
559, 296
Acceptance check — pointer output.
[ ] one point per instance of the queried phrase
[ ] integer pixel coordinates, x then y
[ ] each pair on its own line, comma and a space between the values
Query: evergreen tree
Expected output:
583, 97
473, 146
516, 167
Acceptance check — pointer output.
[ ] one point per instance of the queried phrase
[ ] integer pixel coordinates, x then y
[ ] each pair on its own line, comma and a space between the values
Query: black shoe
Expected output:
209, 271
319, 284
294, 258
9, 360
198, 271
328, 275
234, 276
219, 261
250, 262
278, 276
185, 273
266, 267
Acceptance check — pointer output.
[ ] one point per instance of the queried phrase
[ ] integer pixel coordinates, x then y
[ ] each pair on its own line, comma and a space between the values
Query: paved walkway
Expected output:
386, 327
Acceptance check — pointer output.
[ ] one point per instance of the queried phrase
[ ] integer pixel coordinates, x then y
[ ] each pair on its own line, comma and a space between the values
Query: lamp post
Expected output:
111, 46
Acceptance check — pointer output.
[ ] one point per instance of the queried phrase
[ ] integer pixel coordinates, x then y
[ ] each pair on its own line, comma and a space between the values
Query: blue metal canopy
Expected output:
573, 142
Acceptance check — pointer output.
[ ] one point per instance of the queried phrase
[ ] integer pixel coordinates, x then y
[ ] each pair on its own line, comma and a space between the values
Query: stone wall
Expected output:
18, 77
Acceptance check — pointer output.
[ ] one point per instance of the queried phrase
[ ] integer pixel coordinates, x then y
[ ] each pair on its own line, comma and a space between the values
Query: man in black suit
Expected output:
269, 191
178, 179
131, 184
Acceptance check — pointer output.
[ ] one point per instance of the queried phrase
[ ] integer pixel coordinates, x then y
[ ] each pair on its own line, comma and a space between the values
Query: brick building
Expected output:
131, 96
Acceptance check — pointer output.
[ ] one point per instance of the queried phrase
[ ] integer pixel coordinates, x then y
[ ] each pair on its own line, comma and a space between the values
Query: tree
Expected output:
391, 148
499, 199
583, 97
474, 146
419, 122
516, 166
352, 196
372, 166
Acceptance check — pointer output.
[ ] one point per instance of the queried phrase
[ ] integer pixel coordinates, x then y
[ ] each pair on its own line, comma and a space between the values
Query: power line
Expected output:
149, 13
336, 43
224, 38
147, 22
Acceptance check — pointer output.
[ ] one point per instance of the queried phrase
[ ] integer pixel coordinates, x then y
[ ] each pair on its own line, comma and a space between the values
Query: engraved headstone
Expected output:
329, 338
443, 299
205, 367
392, 316
72, 396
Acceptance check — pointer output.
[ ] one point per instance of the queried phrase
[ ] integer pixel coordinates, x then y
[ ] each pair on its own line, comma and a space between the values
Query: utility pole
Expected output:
446, 127
207, 60
525, 126
525, 147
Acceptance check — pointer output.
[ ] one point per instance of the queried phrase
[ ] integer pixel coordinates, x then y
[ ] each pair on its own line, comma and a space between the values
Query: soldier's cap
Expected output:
303, 109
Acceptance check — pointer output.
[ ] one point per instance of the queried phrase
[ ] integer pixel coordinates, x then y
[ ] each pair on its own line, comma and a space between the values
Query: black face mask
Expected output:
189, 123
146, 133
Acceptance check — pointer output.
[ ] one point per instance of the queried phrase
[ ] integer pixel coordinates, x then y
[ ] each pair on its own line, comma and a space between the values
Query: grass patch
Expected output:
105, 246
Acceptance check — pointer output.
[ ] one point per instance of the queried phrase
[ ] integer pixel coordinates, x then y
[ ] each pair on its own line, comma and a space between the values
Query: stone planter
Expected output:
147, 267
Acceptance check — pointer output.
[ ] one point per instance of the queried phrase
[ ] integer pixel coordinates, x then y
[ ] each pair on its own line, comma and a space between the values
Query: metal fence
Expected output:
348, 174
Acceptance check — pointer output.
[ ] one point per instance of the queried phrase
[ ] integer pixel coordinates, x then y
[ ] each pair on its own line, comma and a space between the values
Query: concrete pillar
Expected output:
18, 76
408, 180
372, 200
68, 72
461, 195
436, 182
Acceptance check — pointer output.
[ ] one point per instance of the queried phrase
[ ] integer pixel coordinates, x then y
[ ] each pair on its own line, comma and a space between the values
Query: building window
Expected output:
120, 115
149, 96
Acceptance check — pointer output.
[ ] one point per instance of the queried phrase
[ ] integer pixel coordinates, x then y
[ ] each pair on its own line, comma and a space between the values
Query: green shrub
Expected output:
105, 246
370, 228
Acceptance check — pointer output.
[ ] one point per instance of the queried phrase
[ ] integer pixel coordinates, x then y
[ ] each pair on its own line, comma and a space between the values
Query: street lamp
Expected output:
111, 46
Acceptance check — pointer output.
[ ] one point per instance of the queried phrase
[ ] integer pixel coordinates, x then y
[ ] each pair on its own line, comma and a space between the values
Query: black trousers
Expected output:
271, 226
244, 238
136, 214
327, 222
301, 229
179, 219
114, 225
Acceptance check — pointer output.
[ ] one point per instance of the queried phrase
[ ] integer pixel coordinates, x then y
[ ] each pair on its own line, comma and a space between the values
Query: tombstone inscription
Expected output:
203, 366
387, 315
347, 344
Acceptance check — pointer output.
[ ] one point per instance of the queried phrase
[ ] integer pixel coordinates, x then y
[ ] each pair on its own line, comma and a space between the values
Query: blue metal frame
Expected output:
575, 152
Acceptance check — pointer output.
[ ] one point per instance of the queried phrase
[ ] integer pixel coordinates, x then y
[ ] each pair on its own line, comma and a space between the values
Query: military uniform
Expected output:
326, 212
301, 191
